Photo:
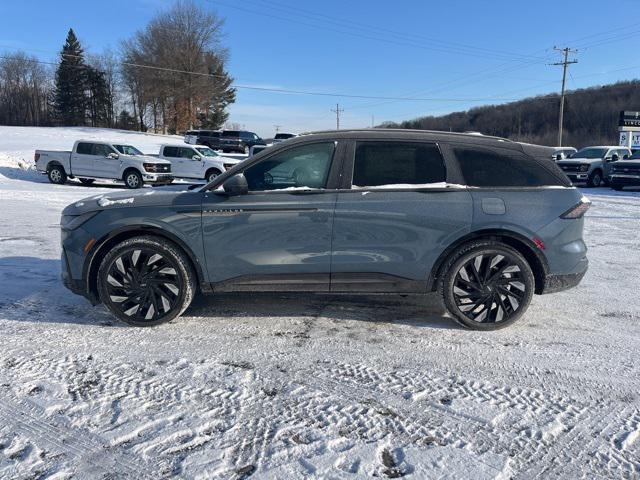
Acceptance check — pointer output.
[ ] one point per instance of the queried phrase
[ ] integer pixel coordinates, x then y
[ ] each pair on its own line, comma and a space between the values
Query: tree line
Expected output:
590, 117
169, 77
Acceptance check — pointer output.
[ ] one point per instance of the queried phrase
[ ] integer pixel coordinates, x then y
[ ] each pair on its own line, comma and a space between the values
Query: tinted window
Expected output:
186, 153
305, 166
394, 163
492, 168
84, 148
171, 152
191, 132
590, 153
283, 136
128, 150
206, 152
101, 150
230, 133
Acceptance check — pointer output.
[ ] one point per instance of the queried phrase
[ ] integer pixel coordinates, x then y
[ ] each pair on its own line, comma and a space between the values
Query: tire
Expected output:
146, 294
87, 181
480, 274
595, 179
133, 179
57, 175
616, 187
211, 174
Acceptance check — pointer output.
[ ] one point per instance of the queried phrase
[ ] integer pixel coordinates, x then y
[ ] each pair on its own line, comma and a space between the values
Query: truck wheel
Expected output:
211, 174
133, 179
87, 181
595, 179
486, 285
57, 175
145, 281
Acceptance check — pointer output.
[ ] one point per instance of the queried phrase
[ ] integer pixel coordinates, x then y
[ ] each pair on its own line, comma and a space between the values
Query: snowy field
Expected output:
293, 386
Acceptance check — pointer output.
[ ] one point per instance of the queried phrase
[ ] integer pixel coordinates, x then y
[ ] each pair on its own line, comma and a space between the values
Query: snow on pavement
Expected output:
292, 386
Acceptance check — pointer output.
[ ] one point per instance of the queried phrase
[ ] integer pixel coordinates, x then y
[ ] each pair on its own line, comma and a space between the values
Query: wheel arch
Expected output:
127, 169
519, 242
103, 245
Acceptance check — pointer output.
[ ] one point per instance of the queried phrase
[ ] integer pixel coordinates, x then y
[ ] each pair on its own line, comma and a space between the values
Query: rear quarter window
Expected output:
503, 168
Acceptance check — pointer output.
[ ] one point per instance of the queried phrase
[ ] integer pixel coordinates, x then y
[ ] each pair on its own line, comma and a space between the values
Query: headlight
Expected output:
71, 222
584, 168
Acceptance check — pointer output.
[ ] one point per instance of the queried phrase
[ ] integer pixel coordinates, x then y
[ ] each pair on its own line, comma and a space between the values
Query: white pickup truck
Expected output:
90, 160
196, 161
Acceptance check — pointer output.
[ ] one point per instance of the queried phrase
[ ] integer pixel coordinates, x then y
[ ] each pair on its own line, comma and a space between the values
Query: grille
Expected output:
570, 168
626, 168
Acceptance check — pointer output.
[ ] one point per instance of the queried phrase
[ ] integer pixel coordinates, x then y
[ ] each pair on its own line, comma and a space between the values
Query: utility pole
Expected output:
566, 62
337, 111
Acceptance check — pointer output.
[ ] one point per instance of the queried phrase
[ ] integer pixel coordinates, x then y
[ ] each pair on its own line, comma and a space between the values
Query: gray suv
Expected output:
484, 221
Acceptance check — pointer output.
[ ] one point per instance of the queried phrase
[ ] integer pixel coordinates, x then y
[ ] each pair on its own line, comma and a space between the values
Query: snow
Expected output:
293, 386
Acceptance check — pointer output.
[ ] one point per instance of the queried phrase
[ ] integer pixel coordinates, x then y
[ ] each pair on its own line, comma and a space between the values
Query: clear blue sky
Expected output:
461, 54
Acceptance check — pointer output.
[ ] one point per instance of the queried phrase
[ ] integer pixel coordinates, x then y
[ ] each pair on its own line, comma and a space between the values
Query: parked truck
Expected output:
196, 162
90, 160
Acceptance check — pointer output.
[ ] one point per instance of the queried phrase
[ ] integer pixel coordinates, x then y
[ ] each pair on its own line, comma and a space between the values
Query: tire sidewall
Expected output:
62, 174
129, 174
165, 248
463, 255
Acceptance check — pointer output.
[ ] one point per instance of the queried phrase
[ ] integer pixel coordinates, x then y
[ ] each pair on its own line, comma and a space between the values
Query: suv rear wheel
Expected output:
145, 281
486, 285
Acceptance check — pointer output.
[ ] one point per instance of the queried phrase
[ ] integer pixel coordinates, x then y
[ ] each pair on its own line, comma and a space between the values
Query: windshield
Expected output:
206, 152
128, 150
635, 156
590, 153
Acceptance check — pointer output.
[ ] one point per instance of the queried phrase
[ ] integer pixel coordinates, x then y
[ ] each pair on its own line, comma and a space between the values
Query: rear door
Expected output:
177, 164
394, 216
82, 161
278, 236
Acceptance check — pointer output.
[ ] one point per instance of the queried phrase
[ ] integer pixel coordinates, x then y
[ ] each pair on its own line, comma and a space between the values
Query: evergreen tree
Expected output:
71, 79
98, 98
216, 115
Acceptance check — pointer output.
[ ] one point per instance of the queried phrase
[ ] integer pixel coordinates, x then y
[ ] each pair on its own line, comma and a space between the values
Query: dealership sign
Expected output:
629, 119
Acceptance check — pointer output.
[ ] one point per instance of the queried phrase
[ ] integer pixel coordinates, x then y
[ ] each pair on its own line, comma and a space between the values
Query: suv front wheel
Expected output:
146, 281
487, 285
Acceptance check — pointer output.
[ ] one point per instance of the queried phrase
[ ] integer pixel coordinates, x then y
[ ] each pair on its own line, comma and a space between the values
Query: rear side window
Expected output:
397, 163
492, 168
171, 152
231, 133
84, 148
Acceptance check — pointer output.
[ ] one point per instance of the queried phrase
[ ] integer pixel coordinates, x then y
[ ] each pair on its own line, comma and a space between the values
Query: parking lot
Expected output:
338, 386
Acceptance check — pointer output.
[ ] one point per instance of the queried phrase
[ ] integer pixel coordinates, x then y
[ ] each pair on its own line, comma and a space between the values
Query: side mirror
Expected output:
558, 157
615, 157
196, 157
113, 156
236, 185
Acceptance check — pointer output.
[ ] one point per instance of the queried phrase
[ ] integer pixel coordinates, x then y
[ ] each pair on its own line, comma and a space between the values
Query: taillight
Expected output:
578, 210
36, 157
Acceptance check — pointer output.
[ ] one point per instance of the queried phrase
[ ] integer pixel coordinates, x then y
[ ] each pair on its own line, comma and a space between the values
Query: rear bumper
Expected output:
558, 282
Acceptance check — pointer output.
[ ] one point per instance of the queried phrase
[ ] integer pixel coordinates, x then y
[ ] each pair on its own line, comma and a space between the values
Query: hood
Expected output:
145, 197
573, 160
146, 158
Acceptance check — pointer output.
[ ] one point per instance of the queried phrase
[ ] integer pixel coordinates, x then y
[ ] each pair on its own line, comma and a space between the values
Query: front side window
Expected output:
301, 167
101, 150
128, 150
397, 163
494, 168
84, 148
186, 153
206, 152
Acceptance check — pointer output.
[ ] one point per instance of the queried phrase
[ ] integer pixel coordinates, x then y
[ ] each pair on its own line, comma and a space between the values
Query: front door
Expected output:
105, 166
394, 217
278, 236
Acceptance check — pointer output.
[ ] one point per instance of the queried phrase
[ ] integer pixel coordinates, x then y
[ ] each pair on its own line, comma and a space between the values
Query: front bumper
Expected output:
157, 178
558, 282
618, 179
577, 177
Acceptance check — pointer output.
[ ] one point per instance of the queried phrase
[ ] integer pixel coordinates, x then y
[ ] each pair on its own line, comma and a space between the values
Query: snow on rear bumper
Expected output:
559, 282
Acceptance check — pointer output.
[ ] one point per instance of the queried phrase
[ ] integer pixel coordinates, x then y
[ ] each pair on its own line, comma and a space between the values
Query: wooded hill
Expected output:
590, 117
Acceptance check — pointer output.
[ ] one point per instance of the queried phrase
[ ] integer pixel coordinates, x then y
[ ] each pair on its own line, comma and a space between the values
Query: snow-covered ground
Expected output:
292, 386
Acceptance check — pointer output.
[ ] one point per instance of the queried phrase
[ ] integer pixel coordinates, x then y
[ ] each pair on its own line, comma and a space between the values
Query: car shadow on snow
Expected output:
31, 291
422, 311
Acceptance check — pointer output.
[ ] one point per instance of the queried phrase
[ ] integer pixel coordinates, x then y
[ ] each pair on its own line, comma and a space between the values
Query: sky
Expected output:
424, 57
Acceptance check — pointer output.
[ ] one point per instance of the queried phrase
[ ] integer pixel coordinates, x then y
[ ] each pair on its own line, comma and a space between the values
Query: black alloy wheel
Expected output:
145, 281
488, 287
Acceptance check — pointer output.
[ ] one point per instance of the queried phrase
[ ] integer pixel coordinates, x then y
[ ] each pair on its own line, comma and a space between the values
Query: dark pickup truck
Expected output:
625, 173
239, 141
